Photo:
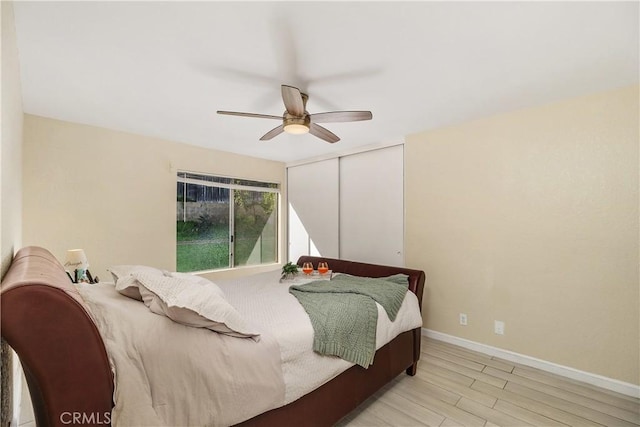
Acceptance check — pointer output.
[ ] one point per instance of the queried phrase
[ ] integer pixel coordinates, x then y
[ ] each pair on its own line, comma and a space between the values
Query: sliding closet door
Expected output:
313, 209
372, 206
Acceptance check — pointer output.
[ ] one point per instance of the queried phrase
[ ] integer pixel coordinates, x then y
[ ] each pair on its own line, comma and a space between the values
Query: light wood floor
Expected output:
455, 386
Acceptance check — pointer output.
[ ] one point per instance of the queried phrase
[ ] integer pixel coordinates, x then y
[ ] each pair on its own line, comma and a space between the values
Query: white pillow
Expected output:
193, 301
126, 284
192, 278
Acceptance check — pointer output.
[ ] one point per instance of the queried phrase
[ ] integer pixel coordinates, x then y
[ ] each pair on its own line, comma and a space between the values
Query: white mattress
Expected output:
271, 308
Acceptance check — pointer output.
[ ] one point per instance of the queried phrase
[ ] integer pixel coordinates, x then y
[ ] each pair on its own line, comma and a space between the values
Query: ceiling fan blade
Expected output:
259, 116
340, 116
272, 133
322, 133
293, 100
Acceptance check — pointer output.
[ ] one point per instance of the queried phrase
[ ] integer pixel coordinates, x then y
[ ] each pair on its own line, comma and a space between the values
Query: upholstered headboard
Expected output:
44, 319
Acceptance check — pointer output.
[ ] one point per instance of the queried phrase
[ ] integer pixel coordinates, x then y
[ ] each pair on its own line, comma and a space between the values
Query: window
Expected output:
225, 222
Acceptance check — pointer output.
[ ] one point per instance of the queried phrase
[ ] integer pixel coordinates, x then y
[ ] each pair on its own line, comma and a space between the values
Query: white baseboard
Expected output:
565, 371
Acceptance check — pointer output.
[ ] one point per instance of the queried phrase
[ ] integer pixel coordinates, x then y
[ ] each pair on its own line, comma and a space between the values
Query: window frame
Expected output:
268, 187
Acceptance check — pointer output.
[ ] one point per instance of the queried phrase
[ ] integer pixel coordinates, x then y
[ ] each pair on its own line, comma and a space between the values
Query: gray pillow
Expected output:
126, 284
193, 301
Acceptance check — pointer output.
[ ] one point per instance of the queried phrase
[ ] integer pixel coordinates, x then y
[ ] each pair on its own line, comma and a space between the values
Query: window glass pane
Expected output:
204, 210
255, 223
202, 227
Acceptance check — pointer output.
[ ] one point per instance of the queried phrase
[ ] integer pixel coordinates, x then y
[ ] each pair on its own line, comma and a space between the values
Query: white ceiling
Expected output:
162, 69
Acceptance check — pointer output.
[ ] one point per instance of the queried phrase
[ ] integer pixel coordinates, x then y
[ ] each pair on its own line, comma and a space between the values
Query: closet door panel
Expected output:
372, 206
313, 209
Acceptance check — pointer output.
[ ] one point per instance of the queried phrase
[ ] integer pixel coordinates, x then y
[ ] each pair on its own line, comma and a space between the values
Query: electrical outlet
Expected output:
463, 319
498, 327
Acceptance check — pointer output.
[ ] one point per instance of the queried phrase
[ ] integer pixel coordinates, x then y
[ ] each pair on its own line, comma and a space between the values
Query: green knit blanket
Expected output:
344, 316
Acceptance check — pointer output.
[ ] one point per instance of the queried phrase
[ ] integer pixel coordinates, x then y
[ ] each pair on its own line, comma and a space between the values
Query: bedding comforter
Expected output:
269, 304
220, 383
171, 374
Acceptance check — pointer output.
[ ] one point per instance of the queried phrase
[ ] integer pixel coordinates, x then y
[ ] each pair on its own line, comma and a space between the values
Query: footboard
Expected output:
416, 285
416, 277
45, 321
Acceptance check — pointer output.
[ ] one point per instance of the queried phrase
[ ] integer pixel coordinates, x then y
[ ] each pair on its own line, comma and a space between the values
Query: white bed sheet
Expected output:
269, 306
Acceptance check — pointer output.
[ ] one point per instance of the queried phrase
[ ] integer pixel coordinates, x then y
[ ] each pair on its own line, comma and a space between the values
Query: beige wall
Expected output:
11, 149
113, 193
10, 196
531, 218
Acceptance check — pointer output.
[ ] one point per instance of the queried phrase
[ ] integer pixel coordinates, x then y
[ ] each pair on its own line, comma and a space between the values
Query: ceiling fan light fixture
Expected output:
296, 125
296, 129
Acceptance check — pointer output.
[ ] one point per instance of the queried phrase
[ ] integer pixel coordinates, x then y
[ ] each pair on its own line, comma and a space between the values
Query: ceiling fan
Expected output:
297, 120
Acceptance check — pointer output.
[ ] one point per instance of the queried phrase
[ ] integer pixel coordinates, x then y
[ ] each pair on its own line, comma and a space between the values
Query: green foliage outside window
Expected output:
202, 229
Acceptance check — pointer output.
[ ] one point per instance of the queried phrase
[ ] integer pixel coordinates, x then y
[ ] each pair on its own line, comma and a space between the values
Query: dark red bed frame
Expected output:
46, 322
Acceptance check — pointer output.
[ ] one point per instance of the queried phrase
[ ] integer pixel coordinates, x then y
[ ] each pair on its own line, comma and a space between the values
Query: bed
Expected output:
50, 326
